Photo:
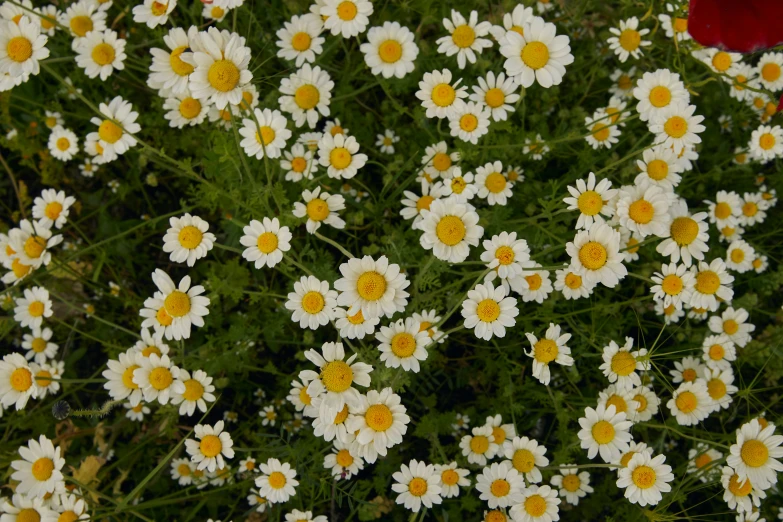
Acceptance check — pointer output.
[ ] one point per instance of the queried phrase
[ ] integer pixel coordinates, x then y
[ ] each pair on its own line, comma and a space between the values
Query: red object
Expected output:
736, 25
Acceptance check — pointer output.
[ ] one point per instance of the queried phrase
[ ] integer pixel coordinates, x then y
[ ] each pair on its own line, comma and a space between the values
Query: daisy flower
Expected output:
687, 370
449, 230
347, 17
505, 255
221, 68
342, 462
31, 243
70, 507
390, 50
153, 13
492, 184
592, 201
48, 16
733, 323
760, 264
115, 129
526, 456
572, 285
136, 413
691, 403
498, 94
336, 377
460, 188
627, 40
720, 386
302, 400
16, 381
647, 404
269, 415
300, 39
439, 96
712, 283
82, 17
513, 21
265, 242
603, 133
622, 82
331, 425
479, 445
265, 134
466, 37
333, 128
595, 254
659, 166
192, 392
381, 421
766, 143
536, 148
676, 126
23, 507
386, 141
462, 422
184, 110
340, 156
100, 53
298, 163
320, 207
182, 306
403, 344
604, 431
754, 208
687, 235
214, 12
676, 27
740, 256
355, 326
30, 310
303, 516
500, 432
740, 494
539, 56
470, 122
53, 119
769, 69
22, 46
417, 484
644, 478
168, 70
38, 345
702, 460
47, 377
550, 348
276, 482
150, 344
726, 210
212, 447
755, 454
621, 399
39, 472
644, 210
155, 377
532, 284
572, 485
119, 374
187, 239
439, 162
451, 479
673, 285
500, 485
620, 364
312, 302
488, 311
537, 504
413, 204
63, 145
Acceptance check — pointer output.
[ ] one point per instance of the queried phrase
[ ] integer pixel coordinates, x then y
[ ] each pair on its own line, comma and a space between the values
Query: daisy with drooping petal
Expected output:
320, 207
119, 374
417, 484
115, 129
733, 323
390, 50
346, 17
539, 56
221, 68
492, 184
30, 310
537, 504
466, 37
300, 39
470, 122
265, 134
498, 94
604, 431
479, 445
572, 483
21, 47
572, 284
277, 481
627, 40
449, 230
340, 155
676, 126
658, 90
403, 344
380, 420
488, 311
212, 447
312, 302
595, 254
38, 344
265, 242
439, 96
659, 166
603, 133
691, 403
766, 143
644, 210
183, 306
687, 235
100, 53
155, 377
755, 454
500, 485
740, 256
712, 283
770, 67
673, 285
168, 70
550, 348
299, 163
63, 144
451, 479
187, 239
506, 255
644, 478
526, 456
591, 200
342, 462
740, 494
620, 364
192, 392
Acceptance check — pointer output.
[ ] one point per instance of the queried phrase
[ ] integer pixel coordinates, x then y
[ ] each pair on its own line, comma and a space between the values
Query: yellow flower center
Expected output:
277, 480
676, 127
417, 487
42, 469
357, 318
730, 326
313, 302
340, 158
623, 363
707, 282
68, 516
523, 460
686, 402
624, 82
19, 49
479, 444
643, 477
265, 135
500, 487
535, 505
190, 237
449, 477
443, 95
177, 65
217, 12
340, 418
641, 211
379, 417
211, 446
194, 390
103, 54
495, 516
223, 75
494, 97
468, 122
189, 108
463, 36
722, 210
641, 400
495, 182
592, 255
590, 203
50, 122
737, 255
754, 453
702, 460
571, 483
750, 209
53, 209
441, 161
535, 55
716, 388
298, 164
424, 203
390, 51
38, 344
267, 242
766, 141
488, 310
36, 309
630, 40
163, 316
626, 458
658, 169
317, 209
600, 132
43, 378
739, 489
347, 11
680, 25
344, 458
301, 41
618, 402
158, 9
177, 304
545, 351
161, 378
81, 25
498, 434
127, 377
19, 269
770, 72
28, 515
721, 61
337, 376
672, 284
149, 350
403, 345
603, 432
505, 255
684, 230
109, 131
573, 281
34, 246
450, 230
689, 375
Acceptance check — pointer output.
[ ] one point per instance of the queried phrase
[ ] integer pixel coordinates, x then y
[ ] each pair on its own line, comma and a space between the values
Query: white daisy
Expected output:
592, 200
31, 243
22, 46
417, 484
740, 494
658, 90
184, 110
336, 378
23, 507
675, 125
312, 302
500, 485
769, 68
30, 310
505, 255
439, 96
488, 311
100, 54
644, 210
702, 462
755, 454
265, 134
63, 144
754, 209
691, 403
538, 503
647, 404
550, 348
500, 432
460, 188
320, 207
740, 256
176, 307
136, 413
470, 121
766, 143
390, 50
603, 133
513, 21
115, 129
526, 456
673, 285
720, 385
214, 12
659, 166
212, 447
676, 27
726, 210
595, 254
712, 283
16, 381
300, 39
342, 462
466, 37
192, 392
492, 184
381, 421
413, 204
449, 230
153, 13
299, 163
221, 67
622, 82
733, 323
403, 344
38, 344
627, 40
155, 377
119, 374
537, 55
644, 478
39, 472
82, 17
340, 156
573, 285
355, 326
451, 479
498, 94
265, 242
687, 235
150, 344
386, 141
604, 431
572, 484
169, 70
346, 17
187, 239
479, 445
439, 162
621, 364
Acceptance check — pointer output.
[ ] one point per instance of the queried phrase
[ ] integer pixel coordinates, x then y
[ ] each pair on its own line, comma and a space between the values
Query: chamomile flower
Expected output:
702, 460
647, 404
320, 207
299, 163
595, 255
184, 110
115, 128
604, 431
182, 306
413, 204
506, 255
760, 263
470, 122
38, 344
513, 21
498, 94
769, 68
119, 374
428, 320
500, 485
451, 479
48, 16
644, 478
302, 400
439, 162
687, 235
30, 310
355, 326
52, 208
466, 38
304, 516
192, 392
390, 50
479, 445
488, 311
621, 399
22, 46
187, 239
500, 432
265, 242
460, 188
712, 283
676, 27
461, 422
675, 125
373, 287
740, 256
417, 484
592, 201
100, 54
659, 166
673, 285
212, 447
381, 421
68, 507
22, 507
342, 462
687, 370
572, 284
53, 119
539, 56
221, 68
403, 344
346, 17
766, 143
536, 148
525, 456
726, 210
740, 494
168, 70
386, 141
312, 302
269, 415
155, 376
16, 381
720, 385
439, 96
82, 17
340, 156
755, 454
39, 472
603, 133
622, 82
720, 62
31, 243
136, 413
733, 323
63, 144
550, 348
153, 13
449, 230
572, 484
265, 134
621, 364
492, 184
300, 39
644, 210
627, 40
214, 12
336, 377
691, 403
537, 504
754, 209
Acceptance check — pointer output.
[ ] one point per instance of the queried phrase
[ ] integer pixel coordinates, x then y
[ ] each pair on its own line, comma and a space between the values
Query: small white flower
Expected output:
213, 447
417, 484
265, 242
466, 37
187, 239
